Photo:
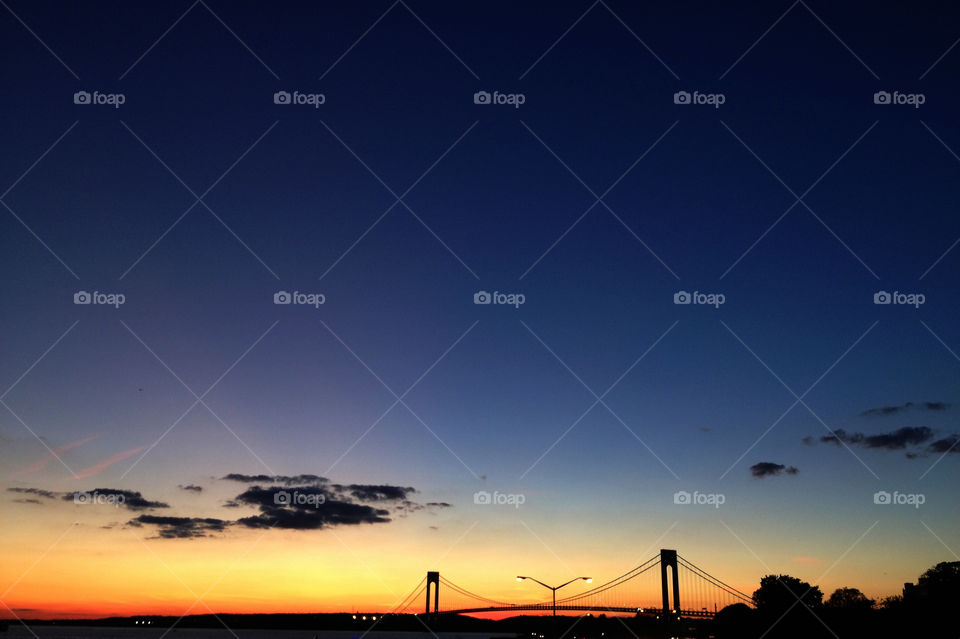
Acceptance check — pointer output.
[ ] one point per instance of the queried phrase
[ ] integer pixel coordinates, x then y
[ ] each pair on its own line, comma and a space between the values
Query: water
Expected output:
84, 632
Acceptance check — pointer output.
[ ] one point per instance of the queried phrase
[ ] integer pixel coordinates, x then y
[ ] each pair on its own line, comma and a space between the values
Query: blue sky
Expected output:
399, 198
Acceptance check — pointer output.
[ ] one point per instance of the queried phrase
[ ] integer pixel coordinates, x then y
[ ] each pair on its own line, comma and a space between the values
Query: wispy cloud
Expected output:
894, 440
106, 463
51, 455
896, 409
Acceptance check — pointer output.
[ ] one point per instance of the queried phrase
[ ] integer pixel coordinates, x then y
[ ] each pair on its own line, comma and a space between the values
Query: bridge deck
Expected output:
601, 609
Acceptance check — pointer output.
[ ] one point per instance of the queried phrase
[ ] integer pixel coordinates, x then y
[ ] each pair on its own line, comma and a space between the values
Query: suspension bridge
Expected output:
653, 588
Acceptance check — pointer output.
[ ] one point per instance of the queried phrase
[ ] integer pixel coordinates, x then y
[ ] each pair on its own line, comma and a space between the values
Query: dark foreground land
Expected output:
738, 623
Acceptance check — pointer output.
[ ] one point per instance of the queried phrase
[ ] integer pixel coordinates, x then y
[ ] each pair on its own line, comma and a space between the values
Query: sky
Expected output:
588, 260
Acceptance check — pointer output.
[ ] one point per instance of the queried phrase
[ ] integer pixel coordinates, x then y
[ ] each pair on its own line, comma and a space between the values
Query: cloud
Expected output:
770, 469
96, 468
295, 502
370, 492
132, 499
894, 440
950, 444
248, 478
39, 492
53, 454
288, 480
305, 508
884, 411
181, 527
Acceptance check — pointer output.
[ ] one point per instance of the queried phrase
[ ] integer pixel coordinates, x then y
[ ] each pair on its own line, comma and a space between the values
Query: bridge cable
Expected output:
714, 581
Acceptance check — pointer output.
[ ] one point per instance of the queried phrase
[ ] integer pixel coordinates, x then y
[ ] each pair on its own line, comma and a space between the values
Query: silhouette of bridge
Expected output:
643, 590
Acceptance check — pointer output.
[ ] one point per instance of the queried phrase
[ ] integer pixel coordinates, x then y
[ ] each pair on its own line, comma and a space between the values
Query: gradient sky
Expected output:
494, 198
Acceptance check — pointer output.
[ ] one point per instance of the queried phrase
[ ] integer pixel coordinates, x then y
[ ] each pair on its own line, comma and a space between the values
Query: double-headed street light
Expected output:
554, 589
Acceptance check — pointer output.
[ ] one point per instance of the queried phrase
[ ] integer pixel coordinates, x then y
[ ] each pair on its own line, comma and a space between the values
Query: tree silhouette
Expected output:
849, 599
787, 606
941, 584
779, 593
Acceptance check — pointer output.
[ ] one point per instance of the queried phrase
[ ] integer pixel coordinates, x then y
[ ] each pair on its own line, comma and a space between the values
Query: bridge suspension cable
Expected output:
466, 593
715, 582
409, 599
616, 581
670, 585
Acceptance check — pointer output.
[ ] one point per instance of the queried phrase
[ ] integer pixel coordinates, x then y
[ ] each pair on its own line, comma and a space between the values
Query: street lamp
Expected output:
554, 589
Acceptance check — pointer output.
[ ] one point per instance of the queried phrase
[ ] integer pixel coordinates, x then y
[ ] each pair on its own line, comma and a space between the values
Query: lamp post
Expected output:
554, 589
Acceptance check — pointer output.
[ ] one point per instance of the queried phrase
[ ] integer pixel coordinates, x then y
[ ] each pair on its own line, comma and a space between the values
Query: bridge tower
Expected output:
433, 577
668, 559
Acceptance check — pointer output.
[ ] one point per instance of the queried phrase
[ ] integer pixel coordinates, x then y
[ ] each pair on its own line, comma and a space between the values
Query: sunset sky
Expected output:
201, 195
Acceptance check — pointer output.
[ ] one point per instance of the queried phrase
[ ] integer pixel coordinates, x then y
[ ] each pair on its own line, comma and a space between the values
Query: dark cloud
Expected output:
949, 444
249, 479
288, 480
808, 440
306, 507
297, 502
49, 494
27, 501
326, 515
132, 499
770, 469
894, 440
181, 527
883, 411
379, 492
